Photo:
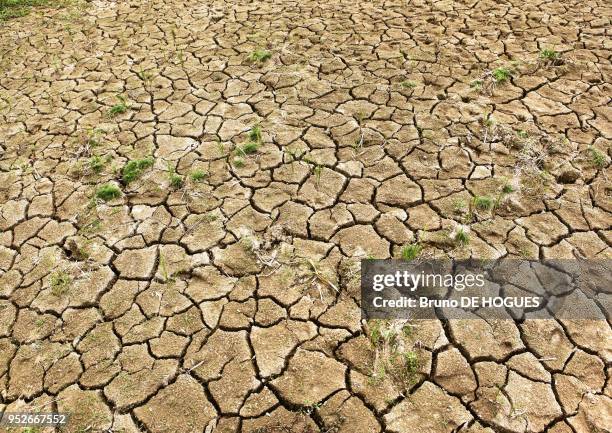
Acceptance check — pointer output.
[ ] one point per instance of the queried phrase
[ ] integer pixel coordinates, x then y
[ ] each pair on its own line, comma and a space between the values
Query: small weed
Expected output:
176, 180
220, 146
249, 148
407, 330
163, 269
119, 108
180, 57
238, 162
522, 134
198, 175
411, 360
59, 283
210, 217
108, 192
133, 169
407, 84
462, 237
389, 339
487, 120
508, 188
476, 84
360, 117
321, 275
309, 408
598, 159
259, 56
97, 163
142, 74
80, 251
545, 177
255, 134
379, 334
501, 75
483, 202
411, 251
145, 76
375, 333
550, 55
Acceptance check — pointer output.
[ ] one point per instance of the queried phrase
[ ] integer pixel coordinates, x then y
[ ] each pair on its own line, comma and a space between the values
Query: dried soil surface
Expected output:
214, 287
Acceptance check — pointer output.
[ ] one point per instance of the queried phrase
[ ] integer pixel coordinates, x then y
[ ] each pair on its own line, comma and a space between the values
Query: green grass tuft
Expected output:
407, 84
550, 55
507, 188
176, 181
249, 148
259, 55
522, 134
119, 108
97, 163
411, 251
501, 75
59, 282
197, 175
462, 237
483, 202
598, 159
411, 360
255, 134
133, 169
108, 192
375, 333
407, 330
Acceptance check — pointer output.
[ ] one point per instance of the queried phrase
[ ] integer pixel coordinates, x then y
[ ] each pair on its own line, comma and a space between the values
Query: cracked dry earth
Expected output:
218, 290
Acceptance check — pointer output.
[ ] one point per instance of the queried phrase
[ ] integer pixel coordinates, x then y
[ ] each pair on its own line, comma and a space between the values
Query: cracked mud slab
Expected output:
187, 188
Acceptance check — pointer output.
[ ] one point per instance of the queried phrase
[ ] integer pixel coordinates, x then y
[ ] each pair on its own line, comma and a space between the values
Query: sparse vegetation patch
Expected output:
108, 192
483, 203
198, 175
501, 75
395, 357
119, 108
411, 251
598, 159
259, 56
134, 169
59, 282
18, 8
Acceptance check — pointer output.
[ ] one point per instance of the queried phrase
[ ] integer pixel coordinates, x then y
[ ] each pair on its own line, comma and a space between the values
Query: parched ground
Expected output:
187, 188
